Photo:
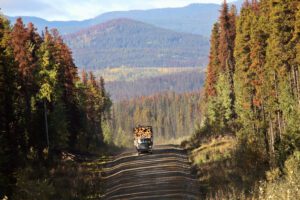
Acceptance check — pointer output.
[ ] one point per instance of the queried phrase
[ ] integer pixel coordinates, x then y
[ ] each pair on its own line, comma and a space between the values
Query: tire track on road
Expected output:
165, 174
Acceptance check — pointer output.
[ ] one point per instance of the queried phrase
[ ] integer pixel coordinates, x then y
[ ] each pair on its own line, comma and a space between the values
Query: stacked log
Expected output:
143, 132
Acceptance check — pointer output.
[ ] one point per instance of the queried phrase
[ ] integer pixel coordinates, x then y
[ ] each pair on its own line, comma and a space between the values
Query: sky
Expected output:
84, 9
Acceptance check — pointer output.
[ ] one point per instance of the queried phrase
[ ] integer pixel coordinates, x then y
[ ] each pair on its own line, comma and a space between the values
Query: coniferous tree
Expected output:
226, 49
258, 44
171, 115
296, 65
224, 46
213, 66
47, 80
43, 104
21, 47
280, 53
243, 75
249, 77
67, 78
220, 106
265, 87
10, 157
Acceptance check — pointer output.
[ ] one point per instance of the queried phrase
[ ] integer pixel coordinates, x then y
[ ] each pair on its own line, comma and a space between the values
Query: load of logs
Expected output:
143, 132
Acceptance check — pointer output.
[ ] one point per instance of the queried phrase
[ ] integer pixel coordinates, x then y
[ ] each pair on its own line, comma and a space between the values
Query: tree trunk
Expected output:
46, 123
296, 77
272, 149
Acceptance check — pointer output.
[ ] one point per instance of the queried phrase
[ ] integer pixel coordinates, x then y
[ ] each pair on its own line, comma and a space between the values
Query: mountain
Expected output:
125, 42
195, 18
64, 27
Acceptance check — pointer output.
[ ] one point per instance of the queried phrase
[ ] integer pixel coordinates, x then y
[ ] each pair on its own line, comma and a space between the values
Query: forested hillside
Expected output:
44, 109
252, 102
181, 82
132, 73
124, 42
173, 117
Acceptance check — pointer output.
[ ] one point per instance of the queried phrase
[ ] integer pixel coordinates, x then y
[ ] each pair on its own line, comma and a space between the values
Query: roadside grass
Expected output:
228, 170
214, 164
164, 141
70, 176
282, 185
217, 149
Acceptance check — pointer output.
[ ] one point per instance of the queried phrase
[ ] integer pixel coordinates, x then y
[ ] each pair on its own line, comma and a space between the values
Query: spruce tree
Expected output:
226, 49
243, 88
213, 68
10, 135
296, 64
258, 45
279, 62
67, 77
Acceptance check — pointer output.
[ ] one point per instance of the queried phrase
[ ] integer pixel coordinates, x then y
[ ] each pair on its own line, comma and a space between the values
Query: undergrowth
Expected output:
230, 169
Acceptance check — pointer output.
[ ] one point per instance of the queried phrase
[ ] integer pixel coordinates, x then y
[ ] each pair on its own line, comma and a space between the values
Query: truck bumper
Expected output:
143, 148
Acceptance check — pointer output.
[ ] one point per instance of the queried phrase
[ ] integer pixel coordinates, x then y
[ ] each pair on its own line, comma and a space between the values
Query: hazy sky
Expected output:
84, 9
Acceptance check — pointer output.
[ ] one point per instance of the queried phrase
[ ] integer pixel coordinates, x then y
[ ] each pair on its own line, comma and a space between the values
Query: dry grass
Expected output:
214, 162
226, 172
175, 141
215, 150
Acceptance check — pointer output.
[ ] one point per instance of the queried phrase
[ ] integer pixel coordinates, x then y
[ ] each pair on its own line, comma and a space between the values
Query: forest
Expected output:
51, 111
181, 82
252, 101
45, 109
173, 117
241, 132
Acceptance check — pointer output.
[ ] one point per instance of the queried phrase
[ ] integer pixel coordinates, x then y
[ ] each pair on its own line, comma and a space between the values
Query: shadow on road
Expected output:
165, 174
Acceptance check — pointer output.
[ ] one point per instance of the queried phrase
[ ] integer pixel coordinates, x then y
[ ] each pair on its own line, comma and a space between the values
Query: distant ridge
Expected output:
126, 42
194, 18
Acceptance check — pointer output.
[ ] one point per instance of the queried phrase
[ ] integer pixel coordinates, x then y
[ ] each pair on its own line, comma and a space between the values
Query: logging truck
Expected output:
143, 139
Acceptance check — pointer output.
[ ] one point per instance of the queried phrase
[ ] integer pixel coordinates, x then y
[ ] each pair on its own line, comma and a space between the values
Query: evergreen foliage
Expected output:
171, 115
219, 85
260, 81
44, 106
263, 73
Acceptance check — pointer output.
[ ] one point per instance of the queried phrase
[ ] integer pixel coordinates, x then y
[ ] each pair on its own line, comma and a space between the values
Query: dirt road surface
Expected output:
165, 174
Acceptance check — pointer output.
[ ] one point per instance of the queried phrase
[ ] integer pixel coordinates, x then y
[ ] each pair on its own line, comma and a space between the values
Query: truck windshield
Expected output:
146, 140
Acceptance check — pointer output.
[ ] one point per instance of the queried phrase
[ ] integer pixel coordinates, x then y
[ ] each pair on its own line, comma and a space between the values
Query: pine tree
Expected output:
84, 77
51, 93
10, 154
42, 102
279, 64
213, 68
67, 77
258, 46
243, 61
226, 48
296, 65
250, 54
243, 75
19, 43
